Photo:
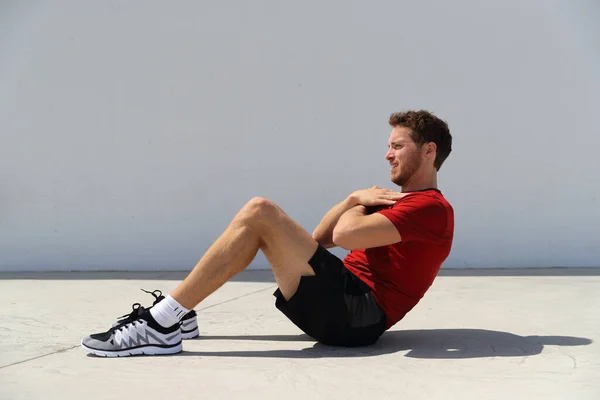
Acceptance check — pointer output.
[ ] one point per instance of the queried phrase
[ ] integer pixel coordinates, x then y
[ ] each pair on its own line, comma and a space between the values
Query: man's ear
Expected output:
430, 149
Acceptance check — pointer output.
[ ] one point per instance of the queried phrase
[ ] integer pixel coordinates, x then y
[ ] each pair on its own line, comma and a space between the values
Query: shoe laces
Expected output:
137, 310
157, 297
129, 318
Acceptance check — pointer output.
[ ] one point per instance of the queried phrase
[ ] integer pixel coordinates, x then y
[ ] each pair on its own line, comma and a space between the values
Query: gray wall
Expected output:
132, 132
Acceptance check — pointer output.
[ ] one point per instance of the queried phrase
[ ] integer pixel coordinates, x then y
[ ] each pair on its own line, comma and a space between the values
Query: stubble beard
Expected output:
408, 169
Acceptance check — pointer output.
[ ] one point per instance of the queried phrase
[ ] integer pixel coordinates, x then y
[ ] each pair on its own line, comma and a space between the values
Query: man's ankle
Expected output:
168, 312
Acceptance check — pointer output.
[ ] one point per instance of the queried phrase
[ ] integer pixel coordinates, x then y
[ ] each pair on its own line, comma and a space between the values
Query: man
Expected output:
397, 242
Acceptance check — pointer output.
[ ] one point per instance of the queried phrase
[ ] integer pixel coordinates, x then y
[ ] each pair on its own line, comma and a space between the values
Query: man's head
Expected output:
419, 144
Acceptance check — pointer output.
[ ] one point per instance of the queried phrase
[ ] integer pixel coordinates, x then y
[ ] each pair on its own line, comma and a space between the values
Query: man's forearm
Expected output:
349, 217
323, 233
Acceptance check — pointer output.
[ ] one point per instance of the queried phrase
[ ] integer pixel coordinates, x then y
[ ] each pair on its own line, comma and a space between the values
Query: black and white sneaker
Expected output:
137, 334
188, 324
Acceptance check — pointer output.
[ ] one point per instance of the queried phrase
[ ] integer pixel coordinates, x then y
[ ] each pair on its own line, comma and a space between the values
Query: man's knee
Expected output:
259, 209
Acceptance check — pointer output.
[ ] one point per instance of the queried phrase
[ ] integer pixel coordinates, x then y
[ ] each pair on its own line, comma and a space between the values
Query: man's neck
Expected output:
421, 184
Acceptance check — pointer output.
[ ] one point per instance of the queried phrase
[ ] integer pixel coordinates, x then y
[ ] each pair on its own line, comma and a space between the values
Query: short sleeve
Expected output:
418, 218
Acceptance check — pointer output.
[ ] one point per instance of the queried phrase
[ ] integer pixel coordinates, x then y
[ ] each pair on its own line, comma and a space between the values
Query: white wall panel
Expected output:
131, 132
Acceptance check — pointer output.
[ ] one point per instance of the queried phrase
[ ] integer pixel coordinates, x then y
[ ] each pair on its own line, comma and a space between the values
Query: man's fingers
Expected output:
386, 201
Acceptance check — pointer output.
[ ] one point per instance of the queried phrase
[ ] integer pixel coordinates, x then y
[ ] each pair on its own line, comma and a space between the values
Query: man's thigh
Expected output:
288, 247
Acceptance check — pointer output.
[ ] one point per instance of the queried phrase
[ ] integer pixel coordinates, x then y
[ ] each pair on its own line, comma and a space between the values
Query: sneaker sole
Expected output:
146, 350
190, 334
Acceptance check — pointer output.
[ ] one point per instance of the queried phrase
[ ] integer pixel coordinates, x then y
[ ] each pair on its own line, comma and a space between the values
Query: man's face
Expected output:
403, 155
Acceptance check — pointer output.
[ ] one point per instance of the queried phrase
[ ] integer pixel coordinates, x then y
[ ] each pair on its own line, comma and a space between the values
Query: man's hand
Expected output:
376, 196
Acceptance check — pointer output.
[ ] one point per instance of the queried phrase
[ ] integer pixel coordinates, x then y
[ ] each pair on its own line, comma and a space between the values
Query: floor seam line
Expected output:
42, 356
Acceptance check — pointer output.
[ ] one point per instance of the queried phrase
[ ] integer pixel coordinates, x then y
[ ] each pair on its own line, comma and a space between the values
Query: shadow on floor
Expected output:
429, 344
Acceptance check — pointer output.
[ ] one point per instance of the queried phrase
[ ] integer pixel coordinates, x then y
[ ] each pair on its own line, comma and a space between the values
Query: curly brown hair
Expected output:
426, 128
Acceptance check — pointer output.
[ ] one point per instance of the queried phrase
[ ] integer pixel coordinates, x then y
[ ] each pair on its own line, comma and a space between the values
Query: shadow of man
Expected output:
424, 343
471, 343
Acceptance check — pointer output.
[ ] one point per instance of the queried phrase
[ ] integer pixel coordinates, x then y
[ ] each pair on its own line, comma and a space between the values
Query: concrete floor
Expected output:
491, 336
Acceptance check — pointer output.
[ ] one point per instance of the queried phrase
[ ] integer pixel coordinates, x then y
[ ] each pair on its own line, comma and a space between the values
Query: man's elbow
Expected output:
316, 234
319, 236
322, 239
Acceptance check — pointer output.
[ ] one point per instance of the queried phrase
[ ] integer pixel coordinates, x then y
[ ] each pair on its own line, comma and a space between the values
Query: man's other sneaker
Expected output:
136, 335
189, 325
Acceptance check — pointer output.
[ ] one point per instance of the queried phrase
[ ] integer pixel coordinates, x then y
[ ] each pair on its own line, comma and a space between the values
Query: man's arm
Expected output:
356, 230
323, 233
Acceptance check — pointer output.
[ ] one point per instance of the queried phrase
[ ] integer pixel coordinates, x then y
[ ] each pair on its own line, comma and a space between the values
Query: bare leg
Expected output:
260, 224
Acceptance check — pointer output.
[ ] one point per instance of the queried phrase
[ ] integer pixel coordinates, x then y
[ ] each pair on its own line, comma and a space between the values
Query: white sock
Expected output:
168, 312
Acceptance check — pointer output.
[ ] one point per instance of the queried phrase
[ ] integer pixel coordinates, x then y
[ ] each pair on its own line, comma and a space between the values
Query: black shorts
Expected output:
334, 306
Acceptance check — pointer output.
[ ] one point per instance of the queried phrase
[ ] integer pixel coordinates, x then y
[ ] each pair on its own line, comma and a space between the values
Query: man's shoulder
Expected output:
429, 199
427, 209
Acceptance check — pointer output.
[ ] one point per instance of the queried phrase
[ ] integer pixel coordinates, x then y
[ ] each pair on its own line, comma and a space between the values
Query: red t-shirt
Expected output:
401, 273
